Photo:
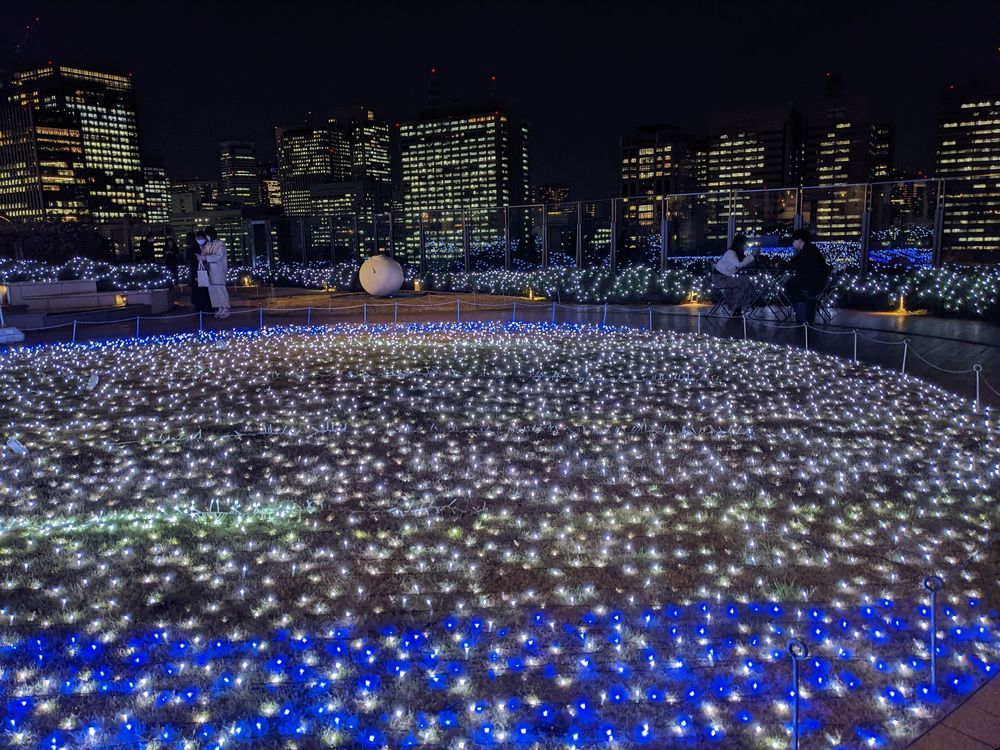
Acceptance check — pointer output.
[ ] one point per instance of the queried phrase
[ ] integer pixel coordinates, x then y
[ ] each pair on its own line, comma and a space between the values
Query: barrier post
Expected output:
364, 312
553, 313
805, 326
798, 651
906, 349
201, 321
855, 344
651, 317
260, 321
604, 320
698, 315
309, 314
976, 368
395, 312
744, 317
513, 316
933, 584
137, 326
74, 341
458, 311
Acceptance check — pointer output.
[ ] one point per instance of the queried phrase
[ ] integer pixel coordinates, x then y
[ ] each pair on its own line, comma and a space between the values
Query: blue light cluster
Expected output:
674, 673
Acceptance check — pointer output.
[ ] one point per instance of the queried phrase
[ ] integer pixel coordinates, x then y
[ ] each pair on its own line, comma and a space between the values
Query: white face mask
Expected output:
201, 240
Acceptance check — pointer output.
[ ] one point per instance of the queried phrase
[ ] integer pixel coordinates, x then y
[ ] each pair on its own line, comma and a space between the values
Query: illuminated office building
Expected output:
156, 189
306, 158
366, 139
756, 149
845, 148
69, 146
455, 163
270, 185
238, 172
42, 173
968, 149
656, 160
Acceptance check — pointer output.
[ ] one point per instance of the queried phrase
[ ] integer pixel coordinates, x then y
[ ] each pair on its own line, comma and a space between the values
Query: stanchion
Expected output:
798, 651
74, 341
906, 349
260, 322
553, 313
513, 316
976, 368
698, 314
933, 584
604, 320
744, 316
137, 326
651, 317
201, 321
855, 344
395, 312
805, 326
458, 311
364, 312
309, 315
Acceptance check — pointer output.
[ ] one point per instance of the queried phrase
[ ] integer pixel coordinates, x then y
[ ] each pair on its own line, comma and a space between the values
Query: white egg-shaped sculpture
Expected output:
381, 275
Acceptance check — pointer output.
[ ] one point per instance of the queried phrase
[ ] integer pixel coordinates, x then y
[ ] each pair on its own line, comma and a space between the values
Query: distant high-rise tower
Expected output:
305, 159
366, 141
755, 149
968, 149
238, 172
657, 160
70, 146
156, 187
845, 147
461, 161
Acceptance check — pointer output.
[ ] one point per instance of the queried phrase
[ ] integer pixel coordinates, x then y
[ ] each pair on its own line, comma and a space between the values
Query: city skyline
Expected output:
184, 115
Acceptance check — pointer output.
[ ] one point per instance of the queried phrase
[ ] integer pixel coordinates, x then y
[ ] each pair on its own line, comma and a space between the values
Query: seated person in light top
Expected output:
739, 290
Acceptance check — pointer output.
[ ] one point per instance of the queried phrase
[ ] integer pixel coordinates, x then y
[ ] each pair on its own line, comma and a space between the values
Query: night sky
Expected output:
580, 73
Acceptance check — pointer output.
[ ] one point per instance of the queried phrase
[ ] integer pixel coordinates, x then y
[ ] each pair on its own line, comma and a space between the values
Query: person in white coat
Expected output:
213, 253
739, 290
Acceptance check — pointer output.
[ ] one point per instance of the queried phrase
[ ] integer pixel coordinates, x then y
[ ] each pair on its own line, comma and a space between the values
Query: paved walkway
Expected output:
974, 725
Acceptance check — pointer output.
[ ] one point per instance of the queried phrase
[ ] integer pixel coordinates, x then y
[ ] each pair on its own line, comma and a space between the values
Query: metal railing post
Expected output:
260, 321
364, 313
805, 327
137, 326
466, 252
309, 312
938, 237
579, 235
201, 321
458, 311
933, 584
978, 369
506, 239
906, 350
866, 219
74, 331
613, 250
731, 220
664, 235
798, 651
513, 316
395, 312
855, 344
545, 237
651, 317
422, 244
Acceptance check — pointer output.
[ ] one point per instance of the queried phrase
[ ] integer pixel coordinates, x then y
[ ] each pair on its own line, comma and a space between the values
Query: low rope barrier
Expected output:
549, 311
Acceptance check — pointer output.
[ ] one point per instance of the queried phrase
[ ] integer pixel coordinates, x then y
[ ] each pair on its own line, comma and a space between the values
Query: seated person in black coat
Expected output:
810, 275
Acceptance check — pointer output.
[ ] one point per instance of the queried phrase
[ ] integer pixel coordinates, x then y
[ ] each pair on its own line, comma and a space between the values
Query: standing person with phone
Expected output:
192, 254
213, 253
